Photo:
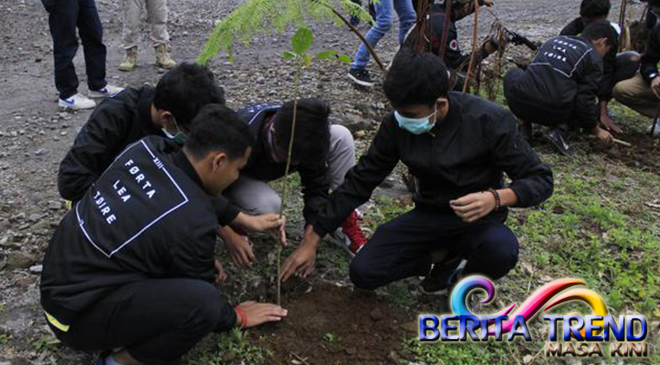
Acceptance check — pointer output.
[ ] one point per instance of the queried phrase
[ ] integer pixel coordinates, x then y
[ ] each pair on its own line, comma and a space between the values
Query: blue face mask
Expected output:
415, 126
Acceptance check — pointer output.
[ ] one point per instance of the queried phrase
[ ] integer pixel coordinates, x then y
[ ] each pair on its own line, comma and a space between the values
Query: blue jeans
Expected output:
407, 17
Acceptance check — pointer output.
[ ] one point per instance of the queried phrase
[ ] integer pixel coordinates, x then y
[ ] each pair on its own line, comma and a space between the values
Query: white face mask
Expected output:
179, 137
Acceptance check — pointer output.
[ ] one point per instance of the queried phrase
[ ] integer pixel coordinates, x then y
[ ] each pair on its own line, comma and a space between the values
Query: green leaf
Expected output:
307, 60
329, 54
302, 40
345, 58
288, 55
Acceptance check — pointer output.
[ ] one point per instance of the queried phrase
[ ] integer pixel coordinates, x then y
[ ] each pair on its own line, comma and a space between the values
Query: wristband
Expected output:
241, 313
498, 202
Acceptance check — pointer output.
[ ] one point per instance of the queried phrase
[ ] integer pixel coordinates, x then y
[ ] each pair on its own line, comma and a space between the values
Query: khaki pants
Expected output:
156, 16
635, 93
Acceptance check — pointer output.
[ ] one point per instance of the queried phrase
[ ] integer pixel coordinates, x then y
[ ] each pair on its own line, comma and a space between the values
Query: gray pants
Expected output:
255, 197
156, 16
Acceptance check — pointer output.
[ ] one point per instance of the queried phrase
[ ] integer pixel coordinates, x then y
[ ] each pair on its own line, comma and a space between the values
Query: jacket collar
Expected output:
184, 164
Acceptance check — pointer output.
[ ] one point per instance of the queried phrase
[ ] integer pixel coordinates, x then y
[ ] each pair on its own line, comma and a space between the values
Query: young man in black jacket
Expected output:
559, 87
642, 92
164, 111
458, 147
322, 155
132, 265
616, 66
456, 61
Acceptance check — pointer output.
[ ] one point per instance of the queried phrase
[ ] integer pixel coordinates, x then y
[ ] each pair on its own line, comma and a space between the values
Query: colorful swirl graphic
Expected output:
532, 305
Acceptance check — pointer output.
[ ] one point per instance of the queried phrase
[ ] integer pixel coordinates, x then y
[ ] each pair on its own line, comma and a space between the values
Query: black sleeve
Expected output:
589, 78
361, 180
609, 68
315, 189
573, 28
224, 210
651, 55
99, 141
532, 179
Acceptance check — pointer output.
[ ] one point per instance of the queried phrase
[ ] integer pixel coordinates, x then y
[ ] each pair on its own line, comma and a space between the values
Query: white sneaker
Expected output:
656, 131
107, 92
77, 102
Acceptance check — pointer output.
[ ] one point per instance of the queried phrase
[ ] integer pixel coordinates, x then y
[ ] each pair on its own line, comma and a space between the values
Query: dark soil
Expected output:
335, 325
643, 154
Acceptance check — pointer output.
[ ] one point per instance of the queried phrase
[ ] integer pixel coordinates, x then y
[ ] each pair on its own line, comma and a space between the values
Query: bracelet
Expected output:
241, 313
498, 202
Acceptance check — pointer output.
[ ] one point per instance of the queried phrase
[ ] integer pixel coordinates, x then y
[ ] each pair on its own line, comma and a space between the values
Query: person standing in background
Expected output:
65, 17
384, 9
157, 18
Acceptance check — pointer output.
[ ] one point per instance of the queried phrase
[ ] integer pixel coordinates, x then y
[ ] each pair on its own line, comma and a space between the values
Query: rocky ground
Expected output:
35, 135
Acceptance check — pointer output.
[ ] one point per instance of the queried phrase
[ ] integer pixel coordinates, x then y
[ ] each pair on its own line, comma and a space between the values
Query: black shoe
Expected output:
558, 138
355, 21
525, 129
443, 276
360, 77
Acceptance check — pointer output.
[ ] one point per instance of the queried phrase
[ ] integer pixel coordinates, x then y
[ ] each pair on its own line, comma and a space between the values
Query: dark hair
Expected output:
416, 78
185, 89
654, 2
595, 8
601, 29
312, 134
217, 127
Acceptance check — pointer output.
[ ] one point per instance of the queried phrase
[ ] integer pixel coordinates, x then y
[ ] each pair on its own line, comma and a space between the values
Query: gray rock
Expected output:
36, 269
20, 260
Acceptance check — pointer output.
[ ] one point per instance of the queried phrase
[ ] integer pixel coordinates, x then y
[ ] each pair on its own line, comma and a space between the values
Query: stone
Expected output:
36, 269
20, 260
376, 315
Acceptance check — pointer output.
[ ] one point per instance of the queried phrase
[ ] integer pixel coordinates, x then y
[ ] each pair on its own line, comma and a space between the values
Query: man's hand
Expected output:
603, 135
239, 247
220, 275
655, 86
302, 260
259, 313
263, 223
473, 207
609, 124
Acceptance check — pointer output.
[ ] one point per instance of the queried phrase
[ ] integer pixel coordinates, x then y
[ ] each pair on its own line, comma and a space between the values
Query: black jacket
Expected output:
454, 58
115, 123
147, 217
651, 56
261, 166
606, 86
467, 152
564, 76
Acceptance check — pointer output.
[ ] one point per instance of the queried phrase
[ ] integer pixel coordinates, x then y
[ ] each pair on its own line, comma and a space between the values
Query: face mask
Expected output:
179, 138
415, 126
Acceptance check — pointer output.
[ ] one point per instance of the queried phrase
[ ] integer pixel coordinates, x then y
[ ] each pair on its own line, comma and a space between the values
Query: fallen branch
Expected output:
653, 206
623, 143
364, 40
473, 56
299, 358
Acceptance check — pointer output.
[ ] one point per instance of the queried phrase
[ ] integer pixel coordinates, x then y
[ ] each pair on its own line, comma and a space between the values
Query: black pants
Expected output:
65, 17
157, 321
402, 247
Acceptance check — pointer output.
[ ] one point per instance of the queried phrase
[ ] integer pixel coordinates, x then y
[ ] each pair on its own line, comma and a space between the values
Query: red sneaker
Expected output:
350, 234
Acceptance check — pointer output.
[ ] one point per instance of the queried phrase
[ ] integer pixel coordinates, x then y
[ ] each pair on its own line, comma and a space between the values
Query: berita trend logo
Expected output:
624, 335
